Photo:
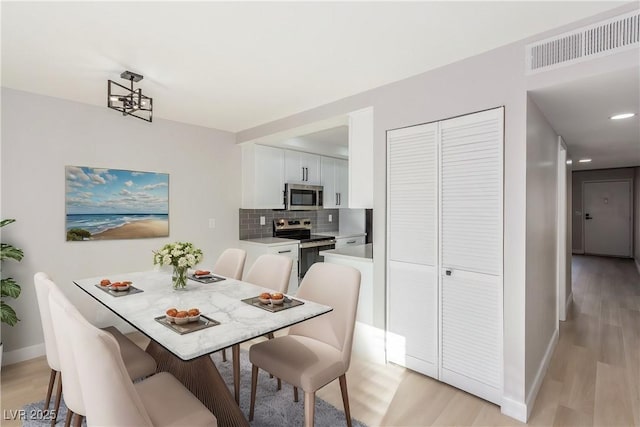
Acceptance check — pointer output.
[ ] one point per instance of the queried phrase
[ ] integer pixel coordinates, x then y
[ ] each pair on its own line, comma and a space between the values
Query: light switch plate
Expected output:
262, 220
330, 218
212, 223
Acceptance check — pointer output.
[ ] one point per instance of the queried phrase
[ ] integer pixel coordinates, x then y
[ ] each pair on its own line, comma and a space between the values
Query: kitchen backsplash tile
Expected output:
250, 227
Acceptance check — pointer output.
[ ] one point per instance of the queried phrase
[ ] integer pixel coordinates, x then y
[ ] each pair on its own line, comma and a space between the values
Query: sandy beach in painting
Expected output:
135, 230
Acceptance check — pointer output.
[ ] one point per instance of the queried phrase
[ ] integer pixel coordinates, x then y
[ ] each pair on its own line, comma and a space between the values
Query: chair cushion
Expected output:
169, 403
298, 360
139, 363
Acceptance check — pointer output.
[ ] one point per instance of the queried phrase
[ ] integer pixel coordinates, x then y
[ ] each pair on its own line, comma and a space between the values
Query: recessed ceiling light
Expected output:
569, 162
584, 160
622, 116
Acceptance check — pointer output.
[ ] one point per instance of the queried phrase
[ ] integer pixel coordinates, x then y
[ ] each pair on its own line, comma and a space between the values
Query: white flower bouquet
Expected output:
180, 255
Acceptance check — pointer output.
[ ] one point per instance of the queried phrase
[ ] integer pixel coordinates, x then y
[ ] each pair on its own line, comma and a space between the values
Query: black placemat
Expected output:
206, 279
132, 290
203, 323
288, 303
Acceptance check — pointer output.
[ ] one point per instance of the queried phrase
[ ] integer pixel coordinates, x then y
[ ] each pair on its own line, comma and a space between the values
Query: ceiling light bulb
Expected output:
569, 161
584, 160
622, 116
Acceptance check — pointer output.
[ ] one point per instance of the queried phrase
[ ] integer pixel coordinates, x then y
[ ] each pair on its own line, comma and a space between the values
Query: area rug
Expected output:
273, 408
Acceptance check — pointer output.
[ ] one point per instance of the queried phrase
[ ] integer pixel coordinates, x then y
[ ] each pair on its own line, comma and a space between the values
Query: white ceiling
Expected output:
235, 65
579, 111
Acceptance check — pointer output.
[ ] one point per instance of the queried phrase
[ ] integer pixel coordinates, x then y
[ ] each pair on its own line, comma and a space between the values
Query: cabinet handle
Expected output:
307, 170
339, 198
336, 199
284, 252
448, 272
350, 242
302, 173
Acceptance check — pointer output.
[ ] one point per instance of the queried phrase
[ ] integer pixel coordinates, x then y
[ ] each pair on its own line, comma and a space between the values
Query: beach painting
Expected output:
105, 204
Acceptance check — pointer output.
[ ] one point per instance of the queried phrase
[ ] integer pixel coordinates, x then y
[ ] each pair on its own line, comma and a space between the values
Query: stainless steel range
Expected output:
310, 244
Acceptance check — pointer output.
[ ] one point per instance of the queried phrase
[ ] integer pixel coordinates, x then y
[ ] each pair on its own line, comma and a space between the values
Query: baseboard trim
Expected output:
637, 264
514, 409
22, 354
569, 302
542, 370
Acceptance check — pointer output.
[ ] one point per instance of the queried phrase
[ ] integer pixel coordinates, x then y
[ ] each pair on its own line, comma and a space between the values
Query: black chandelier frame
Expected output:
129, 101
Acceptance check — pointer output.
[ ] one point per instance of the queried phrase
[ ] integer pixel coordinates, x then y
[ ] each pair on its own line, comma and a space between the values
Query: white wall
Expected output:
542, 229
40, 135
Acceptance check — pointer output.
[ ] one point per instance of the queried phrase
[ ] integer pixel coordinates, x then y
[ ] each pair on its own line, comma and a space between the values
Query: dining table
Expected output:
229, 316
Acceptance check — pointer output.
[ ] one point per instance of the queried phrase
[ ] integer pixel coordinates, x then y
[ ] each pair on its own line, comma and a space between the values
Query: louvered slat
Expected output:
412, 181
471, 183
471, 309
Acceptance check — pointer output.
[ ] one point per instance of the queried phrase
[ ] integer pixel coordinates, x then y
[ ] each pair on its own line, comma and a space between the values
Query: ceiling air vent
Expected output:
596, 40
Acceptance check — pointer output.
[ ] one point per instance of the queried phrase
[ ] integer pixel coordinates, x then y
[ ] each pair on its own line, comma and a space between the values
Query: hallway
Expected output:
594, 375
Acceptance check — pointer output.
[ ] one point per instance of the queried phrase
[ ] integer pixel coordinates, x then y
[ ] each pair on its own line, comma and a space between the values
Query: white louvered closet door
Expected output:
471, 241
412, 189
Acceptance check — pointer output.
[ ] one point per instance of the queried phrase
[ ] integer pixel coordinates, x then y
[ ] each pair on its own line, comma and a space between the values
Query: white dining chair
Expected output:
109, 396
316, 351
139, 363
271, 271
231, 265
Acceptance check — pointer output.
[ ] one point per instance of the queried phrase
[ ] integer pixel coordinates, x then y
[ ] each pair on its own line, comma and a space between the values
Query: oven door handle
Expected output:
317, 244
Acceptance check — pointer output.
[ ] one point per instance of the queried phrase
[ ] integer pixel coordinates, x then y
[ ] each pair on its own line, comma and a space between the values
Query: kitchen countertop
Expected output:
271, 241
342, 234
360, 252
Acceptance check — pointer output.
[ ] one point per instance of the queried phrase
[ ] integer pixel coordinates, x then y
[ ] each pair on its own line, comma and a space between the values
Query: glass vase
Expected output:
179, 277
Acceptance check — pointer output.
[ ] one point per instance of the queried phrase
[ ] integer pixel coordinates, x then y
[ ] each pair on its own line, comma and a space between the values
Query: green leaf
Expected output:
9, 288
8, 314
9, 251
6, 222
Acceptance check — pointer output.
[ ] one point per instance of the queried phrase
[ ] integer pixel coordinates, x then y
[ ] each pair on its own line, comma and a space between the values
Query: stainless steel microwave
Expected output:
300, 197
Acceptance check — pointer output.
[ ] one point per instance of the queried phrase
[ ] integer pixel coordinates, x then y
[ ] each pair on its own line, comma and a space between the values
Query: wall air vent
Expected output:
596, 40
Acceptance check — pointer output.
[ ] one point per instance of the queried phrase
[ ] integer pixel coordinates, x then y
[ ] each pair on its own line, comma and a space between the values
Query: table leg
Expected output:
202, 378
236, 371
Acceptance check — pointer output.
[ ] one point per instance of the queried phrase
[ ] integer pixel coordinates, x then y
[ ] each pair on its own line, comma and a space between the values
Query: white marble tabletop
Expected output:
220, 301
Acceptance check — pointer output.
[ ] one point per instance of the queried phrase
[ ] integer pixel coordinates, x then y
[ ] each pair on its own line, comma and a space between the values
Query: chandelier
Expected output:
129, 101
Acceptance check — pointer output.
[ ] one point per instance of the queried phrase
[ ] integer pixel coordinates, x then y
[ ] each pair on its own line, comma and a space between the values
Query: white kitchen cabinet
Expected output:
445, 256
341, 242
254, 250
335, 180
302, 168
361, 159
262, 177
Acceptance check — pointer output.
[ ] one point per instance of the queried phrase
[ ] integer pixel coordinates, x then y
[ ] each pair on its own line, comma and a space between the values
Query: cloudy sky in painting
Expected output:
109, 191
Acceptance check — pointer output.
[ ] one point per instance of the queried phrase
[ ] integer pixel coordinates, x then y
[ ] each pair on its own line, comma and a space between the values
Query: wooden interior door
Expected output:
607, 218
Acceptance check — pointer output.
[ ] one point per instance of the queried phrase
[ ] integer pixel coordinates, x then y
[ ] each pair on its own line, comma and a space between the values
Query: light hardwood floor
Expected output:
593, 378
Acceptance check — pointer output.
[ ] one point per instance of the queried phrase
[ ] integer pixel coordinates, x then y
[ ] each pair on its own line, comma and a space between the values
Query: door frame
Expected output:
562, 229
584, 236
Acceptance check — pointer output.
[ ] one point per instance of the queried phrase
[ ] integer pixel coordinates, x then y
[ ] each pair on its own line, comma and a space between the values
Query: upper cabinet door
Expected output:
361, 159
328, 175
302, 168
335, 180
342, 182
262, 177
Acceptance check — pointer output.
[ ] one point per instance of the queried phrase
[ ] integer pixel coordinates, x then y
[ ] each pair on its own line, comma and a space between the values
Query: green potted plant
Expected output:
9, 287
